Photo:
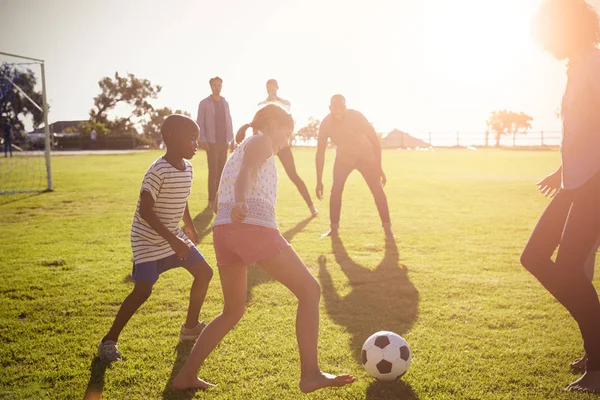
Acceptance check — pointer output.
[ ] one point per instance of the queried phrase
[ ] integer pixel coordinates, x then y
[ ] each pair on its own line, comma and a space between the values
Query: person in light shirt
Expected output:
285, 155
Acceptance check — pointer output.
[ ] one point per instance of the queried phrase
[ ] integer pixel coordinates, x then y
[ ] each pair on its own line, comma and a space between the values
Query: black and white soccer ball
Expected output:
386, 356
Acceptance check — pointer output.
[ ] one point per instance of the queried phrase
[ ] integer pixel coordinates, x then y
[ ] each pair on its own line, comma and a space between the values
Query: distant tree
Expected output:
86, 127
310, 130
129, 90
503, 122
498, 124
151, 127
520, 123
15, 85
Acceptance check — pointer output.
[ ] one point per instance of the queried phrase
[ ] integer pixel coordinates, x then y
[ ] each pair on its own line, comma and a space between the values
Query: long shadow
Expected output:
95, 385
182, 349
13, 198
256, 276
380, 299
202, 222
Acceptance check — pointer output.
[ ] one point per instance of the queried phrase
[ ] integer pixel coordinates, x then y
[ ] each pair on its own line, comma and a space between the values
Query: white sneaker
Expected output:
191, 333
108, 351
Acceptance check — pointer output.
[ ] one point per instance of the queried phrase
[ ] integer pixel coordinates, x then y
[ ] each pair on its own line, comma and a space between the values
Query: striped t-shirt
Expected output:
170, 188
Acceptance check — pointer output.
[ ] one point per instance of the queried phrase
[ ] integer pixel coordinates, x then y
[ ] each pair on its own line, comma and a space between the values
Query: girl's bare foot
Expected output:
589, 382
185, 383
579, 364
321, 379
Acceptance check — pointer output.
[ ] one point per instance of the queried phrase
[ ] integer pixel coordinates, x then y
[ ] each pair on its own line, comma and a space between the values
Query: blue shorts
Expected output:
149, 271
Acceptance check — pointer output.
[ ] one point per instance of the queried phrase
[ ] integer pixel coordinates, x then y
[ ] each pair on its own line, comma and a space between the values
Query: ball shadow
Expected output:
380, 299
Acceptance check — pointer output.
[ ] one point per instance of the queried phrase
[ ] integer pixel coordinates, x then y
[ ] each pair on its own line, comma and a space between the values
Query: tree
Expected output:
129, 90
310, 131
498, 124
520, 123
15, 85
151, 128
505, 122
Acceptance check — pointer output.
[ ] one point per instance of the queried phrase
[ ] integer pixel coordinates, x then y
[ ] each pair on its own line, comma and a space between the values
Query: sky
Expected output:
415, 65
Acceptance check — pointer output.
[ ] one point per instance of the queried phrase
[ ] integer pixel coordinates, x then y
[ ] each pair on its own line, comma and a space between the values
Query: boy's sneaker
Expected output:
191, 333
108, 351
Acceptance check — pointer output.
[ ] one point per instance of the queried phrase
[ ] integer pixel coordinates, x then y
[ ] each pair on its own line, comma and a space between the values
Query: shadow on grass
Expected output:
182, 349
7, 198
390, 390
380, 299
96, 383
202, 222
256, 276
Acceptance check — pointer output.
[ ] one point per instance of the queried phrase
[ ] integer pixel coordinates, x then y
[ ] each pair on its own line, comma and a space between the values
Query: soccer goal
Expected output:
25, 148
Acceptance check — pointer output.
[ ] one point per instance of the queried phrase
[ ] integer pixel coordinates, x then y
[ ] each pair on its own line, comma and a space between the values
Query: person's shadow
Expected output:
382, 299
96, 383
256, 275
182, 349
202, 222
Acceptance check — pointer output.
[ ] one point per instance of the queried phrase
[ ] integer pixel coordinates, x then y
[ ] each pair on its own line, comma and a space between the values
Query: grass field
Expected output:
480, 327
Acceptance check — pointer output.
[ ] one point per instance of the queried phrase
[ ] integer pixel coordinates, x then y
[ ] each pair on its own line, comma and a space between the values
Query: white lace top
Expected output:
261, 198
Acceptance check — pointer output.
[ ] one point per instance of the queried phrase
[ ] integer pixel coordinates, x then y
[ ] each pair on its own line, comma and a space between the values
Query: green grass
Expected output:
479, 325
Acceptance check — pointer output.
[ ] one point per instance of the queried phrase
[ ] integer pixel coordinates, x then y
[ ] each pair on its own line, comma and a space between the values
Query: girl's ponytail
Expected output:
241, 133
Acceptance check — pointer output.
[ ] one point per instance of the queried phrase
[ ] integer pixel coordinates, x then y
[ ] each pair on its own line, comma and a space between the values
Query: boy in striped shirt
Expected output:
157, 241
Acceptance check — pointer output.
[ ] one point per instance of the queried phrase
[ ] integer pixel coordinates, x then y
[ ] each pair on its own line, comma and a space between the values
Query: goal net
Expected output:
24, 146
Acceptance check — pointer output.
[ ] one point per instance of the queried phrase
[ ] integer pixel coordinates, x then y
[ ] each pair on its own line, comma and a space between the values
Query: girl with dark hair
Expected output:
245, 232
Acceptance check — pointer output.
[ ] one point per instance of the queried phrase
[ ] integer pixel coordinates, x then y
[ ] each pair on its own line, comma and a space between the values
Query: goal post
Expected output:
25, 173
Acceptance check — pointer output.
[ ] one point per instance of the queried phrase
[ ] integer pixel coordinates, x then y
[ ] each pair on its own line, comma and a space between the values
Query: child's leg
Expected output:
202, 273
140, 293
233, 283
288, 268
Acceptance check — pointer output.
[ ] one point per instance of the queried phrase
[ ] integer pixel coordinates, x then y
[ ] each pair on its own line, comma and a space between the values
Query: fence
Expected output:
478, 139
398, 139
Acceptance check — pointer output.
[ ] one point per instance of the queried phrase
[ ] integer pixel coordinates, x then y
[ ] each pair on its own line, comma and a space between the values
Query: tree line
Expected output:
144, 121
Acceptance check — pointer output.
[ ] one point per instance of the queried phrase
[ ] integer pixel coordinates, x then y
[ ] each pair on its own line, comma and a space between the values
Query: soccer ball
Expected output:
386, 356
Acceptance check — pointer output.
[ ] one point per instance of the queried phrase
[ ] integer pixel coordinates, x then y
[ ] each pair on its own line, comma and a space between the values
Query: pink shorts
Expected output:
246, 244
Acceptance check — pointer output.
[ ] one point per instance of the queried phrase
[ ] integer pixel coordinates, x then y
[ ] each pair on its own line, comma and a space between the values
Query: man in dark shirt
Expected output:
7, 136
358, 147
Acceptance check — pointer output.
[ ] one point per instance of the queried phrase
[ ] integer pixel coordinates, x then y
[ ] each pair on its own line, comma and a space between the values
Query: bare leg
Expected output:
288, 268
202, 274
140, 293
234, 285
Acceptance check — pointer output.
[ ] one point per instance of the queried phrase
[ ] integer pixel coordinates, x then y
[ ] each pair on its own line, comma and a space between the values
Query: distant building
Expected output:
398, 139
58, 129
61, 127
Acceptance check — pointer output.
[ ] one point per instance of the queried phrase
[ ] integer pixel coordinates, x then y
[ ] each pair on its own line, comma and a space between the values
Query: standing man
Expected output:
285, 155
7, 136
216, 134
358, 148
93, 138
